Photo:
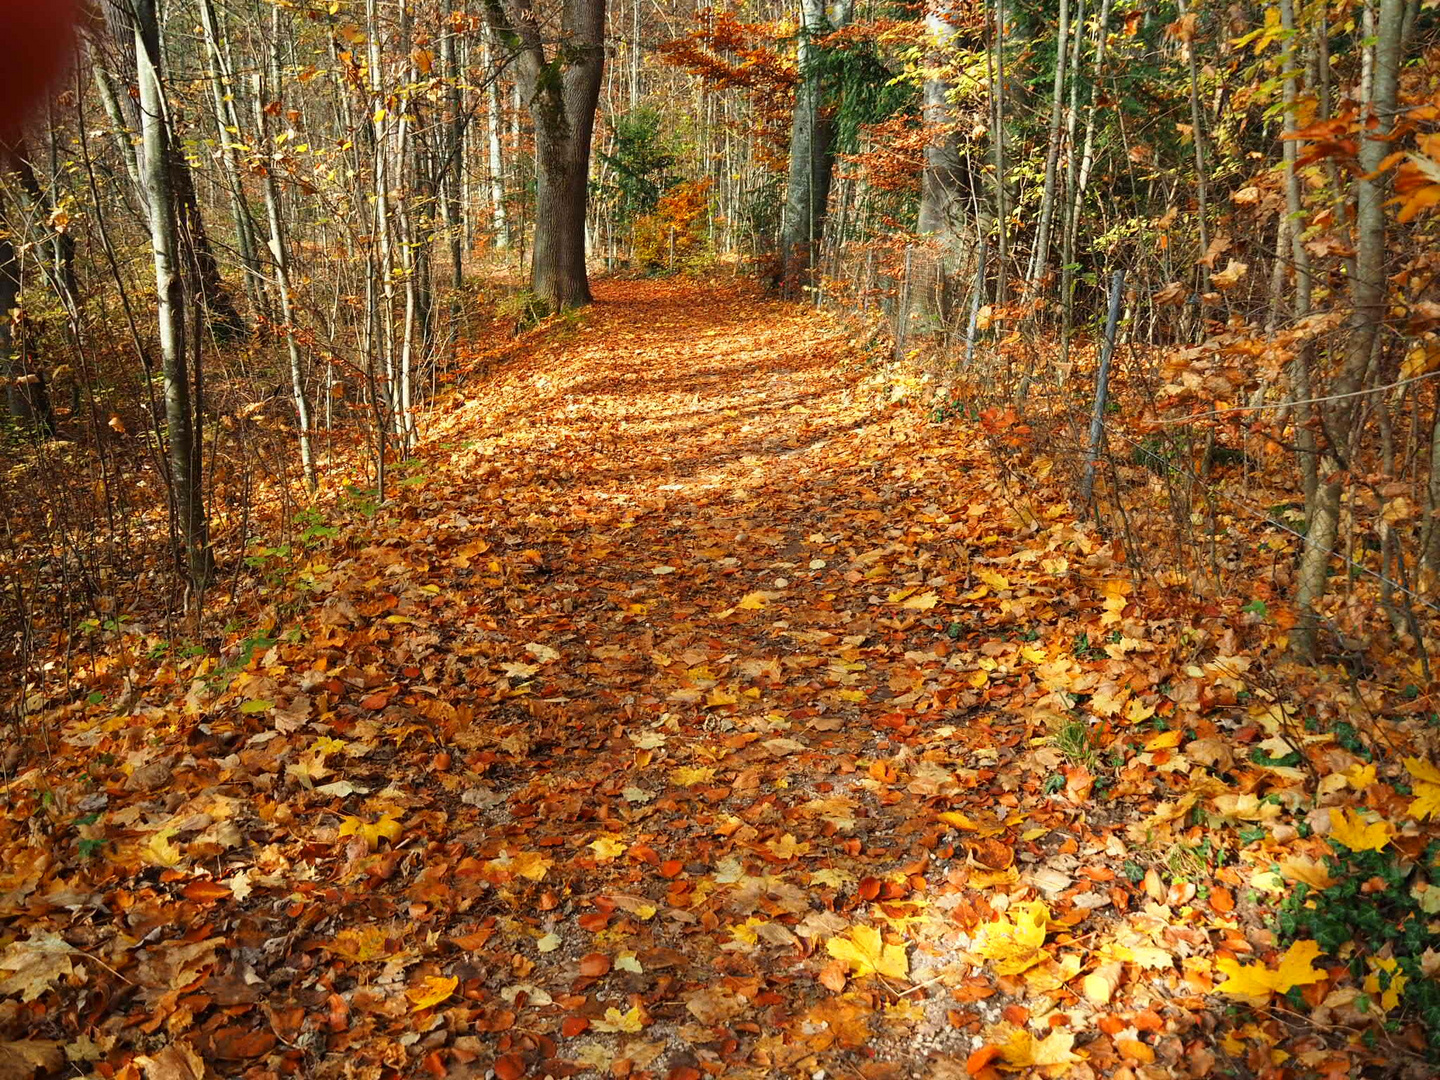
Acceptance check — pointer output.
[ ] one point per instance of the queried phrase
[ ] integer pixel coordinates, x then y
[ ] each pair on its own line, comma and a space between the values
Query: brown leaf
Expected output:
593, 965
178, 1061
21, 1060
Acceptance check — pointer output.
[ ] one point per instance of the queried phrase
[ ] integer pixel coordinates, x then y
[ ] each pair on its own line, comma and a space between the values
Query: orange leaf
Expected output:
981, 1059
1135, 1050
593, 965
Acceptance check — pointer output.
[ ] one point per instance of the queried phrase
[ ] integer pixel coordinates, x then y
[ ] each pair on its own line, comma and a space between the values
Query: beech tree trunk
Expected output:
157, 174
943, 182
195, 257
812, 151
1368, 290
561, 88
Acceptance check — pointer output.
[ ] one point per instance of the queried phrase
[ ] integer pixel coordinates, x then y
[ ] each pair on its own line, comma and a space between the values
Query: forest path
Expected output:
674, 719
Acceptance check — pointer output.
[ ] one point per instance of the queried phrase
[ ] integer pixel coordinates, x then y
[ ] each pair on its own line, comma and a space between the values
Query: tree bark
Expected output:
279, 249
158, 173
497, 163
25, 393
227, 123
561, 88
1041, 256
943, 181
812, 153
1368, 290
195, 258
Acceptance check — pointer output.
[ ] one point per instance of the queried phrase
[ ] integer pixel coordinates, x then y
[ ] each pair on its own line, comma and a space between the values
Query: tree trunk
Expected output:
943, 181
227, 121
1041, 256
497, 164
25, 393
997, 141
279, 249
453, 175
1294, 209
1367, 298
195, 257
157, 174
812, 153
562, 91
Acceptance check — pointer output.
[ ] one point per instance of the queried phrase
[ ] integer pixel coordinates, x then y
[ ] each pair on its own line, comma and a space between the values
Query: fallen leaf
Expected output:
868, 954
431, 991
1013, 942
1258, 981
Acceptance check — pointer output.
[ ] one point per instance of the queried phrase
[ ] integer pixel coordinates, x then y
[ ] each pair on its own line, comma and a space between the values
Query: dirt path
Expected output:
658, 729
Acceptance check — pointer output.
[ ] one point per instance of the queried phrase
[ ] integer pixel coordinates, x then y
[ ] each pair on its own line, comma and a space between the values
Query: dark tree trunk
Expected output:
562, 173
562, 91
25, 393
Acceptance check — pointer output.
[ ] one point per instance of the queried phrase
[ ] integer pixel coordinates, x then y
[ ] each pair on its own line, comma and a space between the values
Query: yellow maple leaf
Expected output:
998, 582
1015, 942
387, 828
867, 953
922, 602
359, 944
1389, 996
753, 601
160, 851
1258, 981
1351, 830
431, 991
957, 820
608, 848
527, 864
1360, 776
1022, 1050
1426, 803
690, 775
629, 1022
1425, 772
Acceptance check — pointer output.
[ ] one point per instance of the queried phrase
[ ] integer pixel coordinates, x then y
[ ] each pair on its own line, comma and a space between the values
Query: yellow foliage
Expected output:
1427, 788
1258, 982
675, 230
1351, 830
1016, 943
431, 991
387, 828
867, 953
1021, 1050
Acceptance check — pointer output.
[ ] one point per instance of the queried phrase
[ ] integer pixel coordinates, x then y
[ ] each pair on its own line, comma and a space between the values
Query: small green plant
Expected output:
360, 500
1189, 862
1078, 743
1378, 917
524, 309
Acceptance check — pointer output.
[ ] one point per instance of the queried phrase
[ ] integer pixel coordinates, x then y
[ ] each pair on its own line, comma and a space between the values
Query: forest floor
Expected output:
696, 707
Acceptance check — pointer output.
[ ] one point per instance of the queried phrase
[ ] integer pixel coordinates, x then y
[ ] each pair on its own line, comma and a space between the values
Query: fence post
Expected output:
1102, 389
976, 295
902, 306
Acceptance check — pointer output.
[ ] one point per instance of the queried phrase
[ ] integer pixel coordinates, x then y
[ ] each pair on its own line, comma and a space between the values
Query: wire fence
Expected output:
1171, 483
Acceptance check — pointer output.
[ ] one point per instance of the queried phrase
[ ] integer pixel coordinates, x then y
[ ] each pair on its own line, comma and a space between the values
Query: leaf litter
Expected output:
698, 708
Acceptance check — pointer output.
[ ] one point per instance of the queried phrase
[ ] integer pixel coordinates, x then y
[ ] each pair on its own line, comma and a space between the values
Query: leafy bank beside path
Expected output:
697, 707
